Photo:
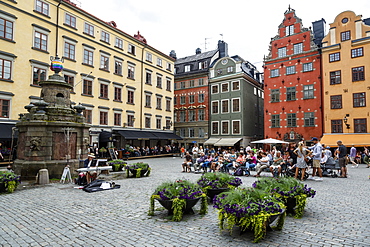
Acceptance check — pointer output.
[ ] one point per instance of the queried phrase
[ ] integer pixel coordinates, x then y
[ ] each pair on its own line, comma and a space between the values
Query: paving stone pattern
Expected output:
60, 215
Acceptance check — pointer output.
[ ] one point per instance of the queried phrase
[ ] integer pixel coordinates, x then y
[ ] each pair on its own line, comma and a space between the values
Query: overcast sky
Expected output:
247, 26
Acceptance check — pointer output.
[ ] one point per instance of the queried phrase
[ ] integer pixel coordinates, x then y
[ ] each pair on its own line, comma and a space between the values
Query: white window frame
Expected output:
83, 55
131, 49
228, 87
228, 127
158, 102
48, 14
232, 86
159, 62
218, 127
71, 42
218, 107
156, 122
133, 93
289, 30
102, 65
106, 36
118, 43
71, 75
308, 65
169, 66
12, 59
131, 67
228, 106
13, 21
218, 89
149, 57
150, 121
42, 31
186, 68
72, 16
119, 61
232, 127
297, 48
114, 119
274, 73
104, 83
40, 66
127, 122
232, 104
282, 52
93, 29
8, 97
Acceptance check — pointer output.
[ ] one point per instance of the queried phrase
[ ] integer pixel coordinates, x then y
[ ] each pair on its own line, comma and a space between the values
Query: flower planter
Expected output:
211, 193
190, 203
2, 187
134, 172
290, 204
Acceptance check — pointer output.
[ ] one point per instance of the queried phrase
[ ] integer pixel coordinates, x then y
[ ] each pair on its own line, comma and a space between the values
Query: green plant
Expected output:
11, 180
103, 150
138, 167
215, 180
117, 164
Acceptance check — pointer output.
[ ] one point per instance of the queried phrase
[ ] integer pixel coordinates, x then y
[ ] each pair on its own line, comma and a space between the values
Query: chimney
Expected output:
223, 48
173, 54
318, 31
198, 51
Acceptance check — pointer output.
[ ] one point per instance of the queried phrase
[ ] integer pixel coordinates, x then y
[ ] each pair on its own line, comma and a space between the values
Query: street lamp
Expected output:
345, 120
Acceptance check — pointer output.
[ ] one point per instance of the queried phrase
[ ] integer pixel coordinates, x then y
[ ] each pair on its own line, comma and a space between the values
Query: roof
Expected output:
196, 57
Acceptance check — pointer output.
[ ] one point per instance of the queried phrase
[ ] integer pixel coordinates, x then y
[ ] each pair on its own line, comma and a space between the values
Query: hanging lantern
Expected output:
56, 64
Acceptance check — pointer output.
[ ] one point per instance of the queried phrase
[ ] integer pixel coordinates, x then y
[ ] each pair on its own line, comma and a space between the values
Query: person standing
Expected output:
342, 155
194, 151
352, 156
367, 157
301, 153
182, 152
316, 158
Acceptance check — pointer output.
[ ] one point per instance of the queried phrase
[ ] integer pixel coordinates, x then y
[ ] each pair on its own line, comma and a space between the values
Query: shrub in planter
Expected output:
117, 165
178, 198
250, 209
10, 181
138, 170
292, 192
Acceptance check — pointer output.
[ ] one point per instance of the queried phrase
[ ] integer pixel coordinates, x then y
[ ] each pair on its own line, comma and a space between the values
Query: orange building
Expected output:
346, 85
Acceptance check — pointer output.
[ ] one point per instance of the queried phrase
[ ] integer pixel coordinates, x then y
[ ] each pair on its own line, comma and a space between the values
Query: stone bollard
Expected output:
43, 176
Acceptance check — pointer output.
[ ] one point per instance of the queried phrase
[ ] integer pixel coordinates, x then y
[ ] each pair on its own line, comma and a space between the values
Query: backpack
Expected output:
238, 172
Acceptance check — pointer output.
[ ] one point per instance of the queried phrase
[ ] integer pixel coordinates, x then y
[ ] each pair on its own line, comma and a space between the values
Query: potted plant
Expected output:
213, 183
9, 181
178, 198
292, 192
117, 165
103, 150
138, 169
250, 209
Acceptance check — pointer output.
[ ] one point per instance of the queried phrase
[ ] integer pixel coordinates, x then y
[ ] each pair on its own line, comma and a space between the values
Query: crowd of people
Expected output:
295, 159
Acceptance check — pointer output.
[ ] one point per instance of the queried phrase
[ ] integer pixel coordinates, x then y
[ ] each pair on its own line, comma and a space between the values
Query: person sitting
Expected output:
200, 162
90, 162
264, 162
251, 160
275, 168
188, 161
215, 165
207, 163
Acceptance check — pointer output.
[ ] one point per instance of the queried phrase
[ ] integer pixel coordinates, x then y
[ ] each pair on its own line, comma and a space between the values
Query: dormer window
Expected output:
203, 65
187, 68
289, 30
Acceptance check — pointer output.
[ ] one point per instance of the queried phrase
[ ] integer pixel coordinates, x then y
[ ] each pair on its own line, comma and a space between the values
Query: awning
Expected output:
211, 141
6, 131
137, 135
359, 140
166, 135
105, 136
227, 141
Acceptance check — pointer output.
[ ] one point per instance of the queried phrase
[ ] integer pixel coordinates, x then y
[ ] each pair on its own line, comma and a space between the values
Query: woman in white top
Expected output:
301, 153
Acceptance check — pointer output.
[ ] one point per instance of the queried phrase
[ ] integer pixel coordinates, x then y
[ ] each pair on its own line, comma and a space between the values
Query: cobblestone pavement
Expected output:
60, 215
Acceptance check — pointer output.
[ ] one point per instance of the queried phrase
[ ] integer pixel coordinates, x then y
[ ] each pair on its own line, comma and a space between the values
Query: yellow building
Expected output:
346, 81
125, 84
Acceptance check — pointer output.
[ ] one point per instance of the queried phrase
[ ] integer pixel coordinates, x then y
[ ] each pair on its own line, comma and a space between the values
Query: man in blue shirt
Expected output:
316, 158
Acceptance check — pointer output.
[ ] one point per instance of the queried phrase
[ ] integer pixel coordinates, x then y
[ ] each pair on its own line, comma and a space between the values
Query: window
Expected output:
149, 57
4, 108
201, 98
182, 85
358, 74
70, 20
104, 62
88, 57
158, 123
191, 99
275, 121
360, 125
215, 107
191, 132
337, 126
219, 71
159, 62
117, 94
87, 87
70, 79
335, 77
130, 72
224, 87
309, 119
6, 70
88, 116
39, 74
130, 120
357, 52
359, 99
187, 68
203, 65
117, 67
201, 82
274, 73
291, 120
42, 7
225, 127
282, 52
169, 66
6, 29
235, 85
182, 100
214, 89
103, 90
290, 93
191, 115
214, 128
131, 49
201, 115
148, 99
290, 70
69, 50
119, 43
182, 116
148, 77
225, 106
147, 121
168, 104
345, 35
130, 97
333, 57
201, 132
336, 102
182, 132
230, 69
89, 29
308, 92
168, 84
307, 67
104, 118
159, 81
298, 48
191, 83
236, 127
40, 41
275, 95
104, 36
289, 30
159, 103
175, 100
236, 105
117, 119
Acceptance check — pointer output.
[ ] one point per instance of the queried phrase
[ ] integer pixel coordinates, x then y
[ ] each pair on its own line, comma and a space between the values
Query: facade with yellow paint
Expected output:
125, 84
346, 80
